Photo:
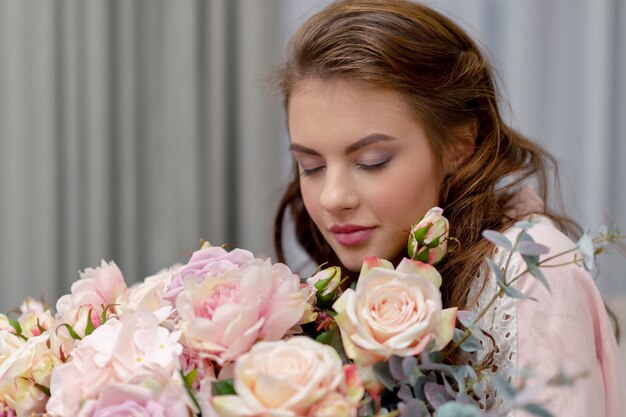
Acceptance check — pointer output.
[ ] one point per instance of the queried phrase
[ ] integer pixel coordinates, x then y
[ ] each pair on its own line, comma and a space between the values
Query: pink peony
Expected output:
223, 316
210, 261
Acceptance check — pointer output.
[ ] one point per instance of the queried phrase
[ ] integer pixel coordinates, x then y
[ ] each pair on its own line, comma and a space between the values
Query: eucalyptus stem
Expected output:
467, 332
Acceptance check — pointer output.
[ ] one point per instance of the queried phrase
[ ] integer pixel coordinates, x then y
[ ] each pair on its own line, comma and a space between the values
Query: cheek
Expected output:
310, 198
403, 198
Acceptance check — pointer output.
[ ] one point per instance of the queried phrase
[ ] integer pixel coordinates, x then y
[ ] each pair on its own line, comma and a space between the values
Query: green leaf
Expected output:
89, 328
498, 239
16, 326
190, 378
422, 256
325, 337
70, 329
454, 409
223, 387
43, 389
537, 410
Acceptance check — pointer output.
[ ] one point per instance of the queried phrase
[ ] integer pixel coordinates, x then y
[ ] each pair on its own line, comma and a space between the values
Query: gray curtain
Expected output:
130, 130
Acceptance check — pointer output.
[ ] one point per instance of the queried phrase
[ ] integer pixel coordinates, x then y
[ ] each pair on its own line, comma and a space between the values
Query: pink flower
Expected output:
210, 261
130, 349
150, 399
223, 316
294, 377
30, 364
95, 290
393, 312
428, 240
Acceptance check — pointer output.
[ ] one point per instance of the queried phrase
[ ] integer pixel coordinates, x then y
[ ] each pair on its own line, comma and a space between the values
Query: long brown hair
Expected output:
443, 76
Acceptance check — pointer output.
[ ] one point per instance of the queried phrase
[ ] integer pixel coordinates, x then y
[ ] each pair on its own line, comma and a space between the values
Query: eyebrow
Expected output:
359, 144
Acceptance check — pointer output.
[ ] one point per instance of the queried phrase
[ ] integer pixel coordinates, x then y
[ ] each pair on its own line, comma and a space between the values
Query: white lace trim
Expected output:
500, 322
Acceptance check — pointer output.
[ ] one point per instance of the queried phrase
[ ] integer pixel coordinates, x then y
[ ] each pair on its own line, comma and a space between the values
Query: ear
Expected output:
463, 145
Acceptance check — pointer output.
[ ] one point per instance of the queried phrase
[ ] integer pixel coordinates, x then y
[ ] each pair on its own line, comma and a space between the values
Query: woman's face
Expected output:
367, 169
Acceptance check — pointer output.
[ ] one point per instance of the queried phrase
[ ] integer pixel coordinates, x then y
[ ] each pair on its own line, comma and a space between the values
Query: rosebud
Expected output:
428, 237
326, 283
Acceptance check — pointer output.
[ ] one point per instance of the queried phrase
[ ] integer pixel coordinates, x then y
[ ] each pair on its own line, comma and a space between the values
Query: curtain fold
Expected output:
122, 136
130, 129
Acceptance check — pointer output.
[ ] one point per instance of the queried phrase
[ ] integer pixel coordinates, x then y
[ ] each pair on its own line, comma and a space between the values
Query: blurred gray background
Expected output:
130, 129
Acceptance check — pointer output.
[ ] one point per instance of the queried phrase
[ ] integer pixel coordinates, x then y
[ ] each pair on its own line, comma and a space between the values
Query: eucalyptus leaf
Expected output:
471, 344
506, 391
405, 393
436, 394
514, 293
396, 369
496, 271
413, 408
409, 367
532, 248
535, 271
585, 245
525, 224
453, 409
498, 239
466, 317
478, 390
537, 410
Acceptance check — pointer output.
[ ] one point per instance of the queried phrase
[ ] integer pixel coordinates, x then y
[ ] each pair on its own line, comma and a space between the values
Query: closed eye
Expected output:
374, 167
310, 171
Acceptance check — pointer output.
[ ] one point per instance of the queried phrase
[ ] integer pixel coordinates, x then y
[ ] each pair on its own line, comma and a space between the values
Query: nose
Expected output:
339, 191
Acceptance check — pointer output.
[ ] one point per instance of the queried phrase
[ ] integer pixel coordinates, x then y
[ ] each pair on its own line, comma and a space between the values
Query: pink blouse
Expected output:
568, 328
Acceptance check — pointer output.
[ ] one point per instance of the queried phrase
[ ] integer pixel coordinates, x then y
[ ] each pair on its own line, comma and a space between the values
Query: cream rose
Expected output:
393, 312
284, 378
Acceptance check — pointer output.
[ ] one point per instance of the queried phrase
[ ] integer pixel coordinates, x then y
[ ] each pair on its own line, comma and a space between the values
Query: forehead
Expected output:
346, 108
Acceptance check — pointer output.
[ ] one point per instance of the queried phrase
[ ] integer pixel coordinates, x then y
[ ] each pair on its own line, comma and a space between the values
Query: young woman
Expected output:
392, 109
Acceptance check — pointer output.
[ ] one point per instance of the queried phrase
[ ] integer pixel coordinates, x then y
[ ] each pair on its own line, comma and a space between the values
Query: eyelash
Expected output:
364, 167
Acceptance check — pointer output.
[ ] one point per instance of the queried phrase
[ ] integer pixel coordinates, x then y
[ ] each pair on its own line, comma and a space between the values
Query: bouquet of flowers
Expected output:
230, 334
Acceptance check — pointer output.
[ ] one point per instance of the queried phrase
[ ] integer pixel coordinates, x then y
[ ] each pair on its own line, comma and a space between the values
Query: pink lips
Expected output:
348, 234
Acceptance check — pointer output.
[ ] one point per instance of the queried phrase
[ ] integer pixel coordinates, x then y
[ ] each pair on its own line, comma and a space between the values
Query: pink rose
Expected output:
223, 316
393, 312
210, 261
96, 288
286, 378
428, 240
